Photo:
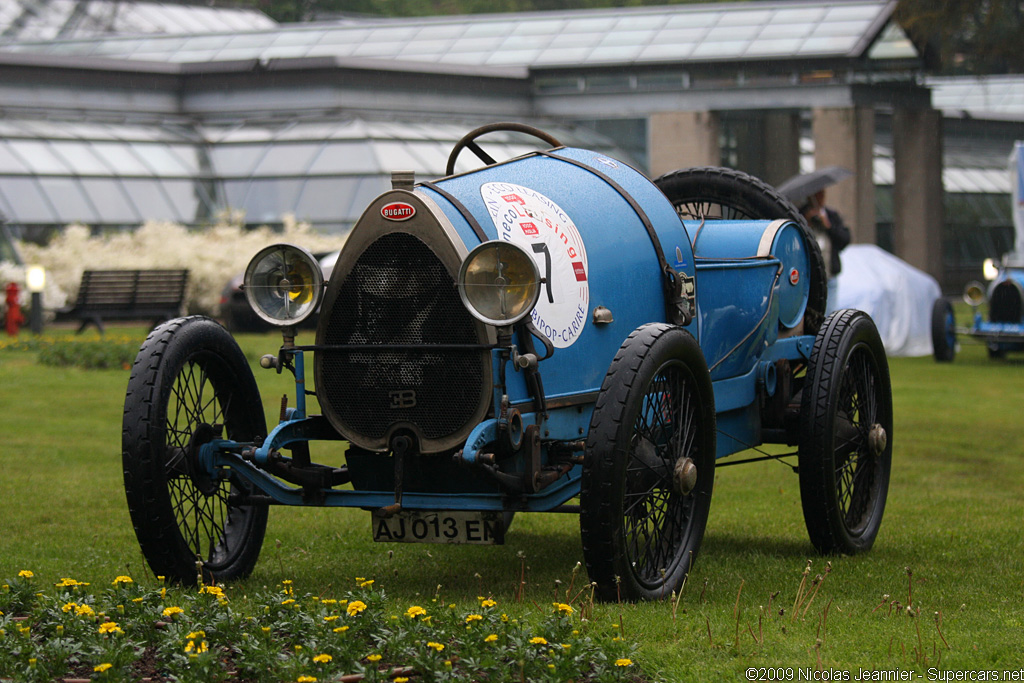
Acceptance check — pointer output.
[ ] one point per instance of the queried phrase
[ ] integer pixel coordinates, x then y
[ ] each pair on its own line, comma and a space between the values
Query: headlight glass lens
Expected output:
283, 284
499, 283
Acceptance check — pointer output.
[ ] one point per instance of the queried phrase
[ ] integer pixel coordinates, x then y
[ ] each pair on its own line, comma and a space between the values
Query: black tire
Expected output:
845, 447
943, 331
190, 375
712, 192
640, 531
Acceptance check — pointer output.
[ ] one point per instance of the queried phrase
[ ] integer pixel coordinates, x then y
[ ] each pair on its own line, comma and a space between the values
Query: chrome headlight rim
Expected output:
286, 256
524, 307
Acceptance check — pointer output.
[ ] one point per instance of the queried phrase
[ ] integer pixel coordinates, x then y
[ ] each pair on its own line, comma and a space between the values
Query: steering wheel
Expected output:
469, 141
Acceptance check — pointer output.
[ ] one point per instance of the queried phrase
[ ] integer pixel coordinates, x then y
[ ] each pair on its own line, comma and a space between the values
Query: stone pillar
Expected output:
918, 214
781, 146
680, 139
845, 137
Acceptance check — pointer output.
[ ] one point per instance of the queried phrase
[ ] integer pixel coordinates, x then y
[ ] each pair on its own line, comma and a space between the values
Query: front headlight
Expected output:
283, 284
499, 283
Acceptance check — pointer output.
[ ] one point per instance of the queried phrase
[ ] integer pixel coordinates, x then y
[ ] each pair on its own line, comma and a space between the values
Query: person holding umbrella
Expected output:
807, 191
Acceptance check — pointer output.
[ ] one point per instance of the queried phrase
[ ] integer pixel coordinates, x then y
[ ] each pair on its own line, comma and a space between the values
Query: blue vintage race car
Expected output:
553, 333
1002, 333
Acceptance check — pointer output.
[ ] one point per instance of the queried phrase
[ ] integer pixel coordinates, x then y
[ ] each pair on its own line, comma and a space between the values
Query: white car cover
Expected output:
897, 296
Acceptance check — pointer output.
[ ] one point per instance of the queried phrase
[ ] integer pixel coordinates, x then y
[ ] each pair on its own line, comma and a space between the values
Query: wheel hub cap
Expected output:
877, 439
684, 476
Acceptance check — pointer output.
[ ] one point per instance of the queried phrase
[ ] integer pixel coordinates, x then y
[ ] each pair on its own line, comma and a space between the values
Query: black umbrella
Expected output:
799, 187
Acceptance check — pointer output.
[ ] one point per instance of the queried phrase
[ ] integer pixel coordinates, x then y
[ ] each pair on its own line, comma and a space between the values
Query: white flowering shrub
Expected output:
212, 255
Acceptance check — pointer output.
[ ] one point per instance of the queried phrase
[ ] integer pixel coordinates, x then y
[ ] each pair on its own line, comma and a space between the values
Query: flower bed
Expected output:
125, 631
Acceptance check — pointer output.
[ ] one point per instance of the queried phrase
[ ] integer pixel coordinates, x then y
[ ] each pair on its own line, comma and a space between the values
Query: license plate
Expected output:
446, 526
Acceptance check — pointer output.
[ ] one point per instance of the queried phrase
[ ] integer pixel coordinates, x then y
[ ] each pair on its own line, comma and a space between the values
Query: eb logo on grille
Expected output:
405, 398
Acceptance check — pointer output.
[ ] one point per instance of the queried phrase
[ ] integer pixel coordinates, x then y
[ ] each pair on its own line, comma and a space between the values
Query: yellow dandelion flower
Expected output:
100, 668
473, 617
25, 574
85, 611
436, 646
566, 646
373, 658
70, 583
110, 627
329, 601
196, 635
562, 608
289, 601
488, 603
341, 629
623, 662
491, 638
286, 582
360, 579
332, 617
537, 640
306, 679
356, 607
400, 679
169, 612
265, 629
138, 599
415, 611
551, 666
322, 659
122, 580
68, 606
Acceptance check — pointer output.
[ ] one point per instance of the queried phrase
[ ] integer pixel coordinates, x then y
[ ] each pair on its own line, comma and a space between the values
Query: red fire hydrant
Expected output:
14, 318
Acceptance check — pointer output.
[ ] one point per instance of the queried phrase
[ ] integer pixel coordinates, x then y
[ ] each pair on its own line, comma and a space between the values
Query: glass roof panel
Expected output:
806, 15
472, 45
267, 200
745, 18
692, 19
479, 29
564, 55
640, 22
779, 46
10, 163
633, 38
236, 160
149, 199
666, 51
719, 50
731, 33
81, 157
38, 156
516, 41
779, 30
119, 156
345, 157
69, 200
27, 201
604, 55
439, 31
107, 195
832, 45
286, 159
864, 11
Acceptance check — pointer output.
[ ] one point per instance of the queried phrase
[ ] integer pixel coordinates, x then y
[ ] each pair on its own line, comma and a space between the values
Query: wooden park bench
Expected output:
155, 295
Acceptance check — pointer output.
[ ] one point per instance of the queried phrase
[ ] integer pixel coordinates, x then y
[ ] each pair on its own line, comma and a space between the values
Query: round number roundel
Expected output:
540, 226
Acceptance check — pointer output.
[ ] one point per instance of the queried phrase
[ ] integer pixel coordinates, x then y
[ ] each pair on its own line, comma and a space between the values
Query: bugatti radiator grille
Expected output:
399, 293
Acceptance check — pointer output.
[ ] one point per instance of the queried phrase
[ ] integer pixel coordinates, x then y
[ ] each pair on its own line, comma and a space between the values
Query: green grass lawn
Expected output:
950, 546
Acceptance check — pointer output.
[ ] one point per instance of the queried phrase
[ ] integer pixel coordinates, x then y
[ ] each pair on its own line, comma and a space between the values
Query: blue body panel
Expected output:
622, 271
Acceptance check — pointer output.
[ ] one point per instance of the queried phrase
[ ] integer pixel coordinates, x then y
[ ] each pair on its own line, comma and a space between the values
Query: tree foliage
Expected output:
966, 36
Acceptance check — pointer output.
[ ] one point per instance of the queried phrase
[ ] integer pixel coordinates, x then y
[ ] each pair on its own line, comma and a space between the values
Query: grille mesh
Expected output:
1005, 305
398, 292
